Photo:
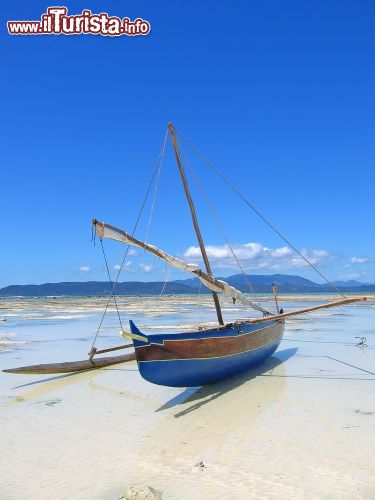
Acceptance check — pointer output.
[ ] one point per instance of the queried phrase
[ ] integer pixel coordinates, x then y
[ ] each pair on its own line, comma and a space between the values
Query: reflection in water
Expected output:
203, 395
41, 388
210, 423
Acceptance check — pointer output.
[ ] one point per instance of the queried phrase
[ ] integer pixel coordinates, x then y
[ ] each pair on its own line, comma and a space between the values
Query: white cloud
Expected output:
146, 268
85, 269
125, 267
132, 252
359, 260
257, 256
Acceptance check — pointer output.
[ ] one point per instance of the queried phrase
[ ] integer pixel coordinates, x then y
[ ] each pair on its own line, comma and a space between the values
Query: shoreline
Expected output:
200, 294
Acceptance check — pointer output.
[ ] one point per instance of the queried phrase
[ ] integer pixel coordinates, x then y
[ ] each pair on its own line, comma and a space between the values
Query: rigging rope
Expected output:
156, 189
236, 191
217, 220
161, 154
167, 272
110, 280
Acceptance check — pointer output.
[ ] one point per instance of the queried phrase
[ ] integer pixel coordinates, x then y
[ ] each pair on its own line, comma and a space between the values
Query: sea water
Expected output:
299, 426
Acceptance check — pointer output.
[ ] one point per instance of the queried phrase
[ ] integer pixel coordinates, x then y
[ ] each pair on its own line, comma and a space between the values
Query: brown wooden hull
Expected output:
211, 347
200, 358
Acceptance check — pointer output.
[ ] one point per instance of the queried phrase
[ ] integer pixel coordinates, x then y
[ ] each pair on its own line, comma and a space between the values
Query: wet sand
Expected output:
300, 426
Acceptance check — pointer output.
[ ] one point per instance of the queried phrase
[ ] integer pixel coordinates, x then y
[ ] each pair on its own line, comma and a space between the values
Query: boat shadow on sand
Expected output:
203, 395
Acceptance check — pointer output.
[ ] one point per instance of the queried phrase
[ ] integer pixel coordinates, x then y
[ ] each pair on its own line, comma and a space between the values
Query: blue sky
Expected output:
279, 96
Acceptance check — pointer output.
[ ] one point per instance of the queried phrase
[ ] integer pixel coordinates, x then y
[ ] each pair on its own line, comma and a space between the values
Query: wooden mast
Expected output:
195, 220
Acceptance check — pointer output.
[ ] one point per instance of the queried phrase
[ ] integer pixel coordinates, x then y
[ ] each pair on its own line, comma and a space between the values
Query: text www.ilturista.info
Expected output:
56, 22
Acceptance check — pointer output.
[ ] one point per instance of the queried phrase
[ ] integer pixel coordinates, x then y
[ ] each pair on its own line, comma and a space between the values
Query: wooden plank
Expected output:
72, 366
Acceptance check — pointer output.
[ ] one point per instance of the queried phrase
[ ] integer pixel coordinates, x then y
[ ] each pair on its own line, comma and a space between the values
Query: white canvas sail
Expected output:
106, 231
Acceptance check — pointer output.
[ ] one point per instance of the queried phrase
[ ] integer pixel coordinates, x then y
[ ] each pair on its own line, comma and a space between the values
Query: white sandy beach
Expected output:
301, 426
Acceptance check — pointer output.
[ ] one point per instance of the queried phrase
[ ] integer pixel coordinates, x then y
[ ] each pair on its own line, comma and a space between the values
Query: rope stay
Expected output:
247, 202
114, 285
161, 158
218, 222
110, 280
167, 272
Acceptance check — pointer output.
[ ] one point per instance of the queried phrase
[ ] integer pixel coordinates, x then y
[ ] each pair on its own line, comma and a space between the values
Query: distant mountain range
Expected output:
260, 283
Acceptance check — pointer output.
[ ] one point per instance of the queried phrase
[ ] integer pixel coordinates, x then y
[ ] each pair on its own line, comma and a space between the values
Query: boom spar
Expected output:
104, 230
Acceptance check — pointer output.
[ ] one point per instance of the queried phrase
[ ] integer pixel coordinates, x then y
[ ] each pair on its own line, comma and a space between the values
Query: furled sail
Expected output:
104, 230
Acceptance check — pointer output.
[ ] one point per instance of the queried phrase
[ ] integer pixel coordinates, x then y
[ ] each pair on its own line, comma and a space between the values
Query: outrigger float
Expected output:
205, 355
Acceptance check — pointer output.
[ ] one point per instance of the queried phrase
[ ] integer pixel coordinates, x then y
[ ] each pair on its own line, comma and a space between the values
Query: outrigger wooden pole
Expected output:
195, 220
72, 366
336, 303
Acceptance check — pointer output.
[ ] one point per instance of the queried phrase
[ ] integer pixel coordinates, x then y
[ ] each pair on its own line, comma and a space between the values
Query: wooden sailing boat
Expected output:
199, 357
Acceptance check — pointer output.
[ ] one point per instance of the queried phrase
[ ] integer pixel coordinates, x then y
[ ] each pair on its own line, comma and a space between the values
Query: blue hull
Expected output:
196, 372
255, 343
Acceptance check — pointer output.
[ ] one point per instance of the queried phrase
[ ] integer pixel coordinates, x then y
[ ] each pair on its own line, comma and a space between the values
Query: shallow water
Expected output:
300, 426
